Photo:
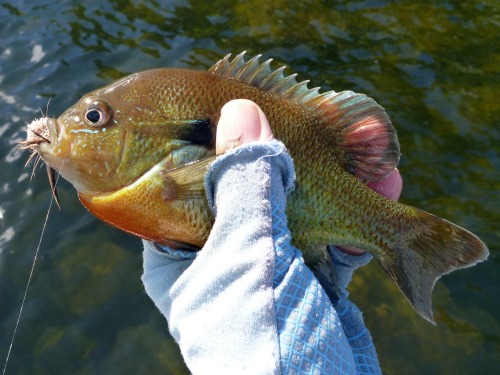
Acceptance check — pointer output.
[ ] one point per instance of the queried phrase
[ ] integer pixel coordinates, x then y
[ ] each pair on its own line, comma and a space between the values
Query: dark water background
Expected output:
434, 67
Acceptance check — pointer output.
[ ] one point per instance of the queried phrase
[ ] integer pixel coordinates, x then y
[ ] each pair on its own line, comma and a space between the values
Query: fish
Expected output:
137, 151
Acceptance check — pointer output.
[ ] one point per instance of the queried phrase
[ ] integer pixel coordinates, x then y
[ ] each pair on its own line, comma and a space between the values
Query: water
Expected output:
435, 68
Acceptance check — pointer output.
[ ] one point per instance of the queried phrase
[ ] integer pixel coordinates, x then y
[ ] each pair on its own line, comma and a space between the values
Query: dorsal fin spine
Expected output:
283, 85
310, 94
248, 70
217, 69
262, 72
298, 90
273, 78
235, 65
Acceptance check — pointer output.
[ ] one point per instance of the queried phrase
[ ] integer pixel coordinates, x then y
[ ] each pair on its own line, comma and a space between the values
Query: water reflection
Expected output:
7, 235
9, 99
37, 54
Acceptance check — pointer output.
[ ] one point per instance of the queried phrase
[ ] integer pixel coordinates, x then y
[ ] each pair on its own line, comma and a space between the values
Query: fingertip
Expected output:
241, 121
390, 187
266, 132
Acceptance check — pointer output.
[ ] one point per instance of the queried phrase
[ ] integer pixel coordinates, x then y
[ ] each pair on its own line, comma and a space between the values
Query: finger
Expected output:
241, 121
389, 187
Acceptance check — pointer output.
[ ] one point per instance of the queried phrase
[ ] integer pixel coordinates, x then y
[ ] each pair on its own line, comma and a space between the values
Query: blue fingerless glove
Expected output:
247, 302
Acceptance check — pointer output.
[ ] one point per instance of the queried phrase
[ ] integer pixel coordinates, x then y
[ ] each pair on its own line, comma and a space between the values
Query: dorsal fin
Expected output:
361, 133
262, 76
359, 129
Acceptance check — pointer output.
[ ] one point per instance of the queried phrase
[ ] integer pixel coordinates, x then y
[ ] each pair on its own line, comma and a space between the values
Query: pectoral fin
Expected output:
186, 182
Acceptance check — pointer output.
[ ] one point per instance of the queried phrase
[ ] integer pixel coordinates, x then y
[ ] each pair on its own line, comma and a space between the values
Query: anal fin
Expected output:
324, 270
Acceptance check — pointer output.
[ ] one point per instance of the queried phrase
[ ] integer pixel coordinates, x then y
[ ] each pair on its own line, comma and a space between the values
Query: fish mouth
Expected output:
42, 131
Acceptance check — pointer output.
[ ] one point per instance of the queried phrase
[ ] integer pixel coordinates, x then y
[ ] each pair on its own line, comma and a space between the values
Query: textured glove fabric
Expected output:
351, 318
246, 303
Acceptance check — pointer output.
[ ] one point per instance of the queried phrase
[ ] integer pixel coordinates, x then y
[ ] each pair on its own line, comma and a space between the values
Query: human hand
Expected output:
247, 301
240, 124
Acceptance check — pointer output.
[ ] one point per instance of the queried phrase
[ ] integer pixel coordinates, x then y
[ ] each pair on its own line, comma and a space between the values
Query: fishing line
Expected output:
29, 279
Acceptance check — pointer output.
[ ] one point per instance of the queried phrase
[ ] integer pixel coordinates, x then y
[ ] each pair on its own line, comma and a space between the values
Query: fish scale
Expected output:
160, 140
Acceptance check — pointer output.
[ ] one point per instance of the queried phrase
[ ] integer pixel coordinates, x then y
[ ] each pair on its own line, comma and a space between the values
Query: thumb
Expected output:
241, 121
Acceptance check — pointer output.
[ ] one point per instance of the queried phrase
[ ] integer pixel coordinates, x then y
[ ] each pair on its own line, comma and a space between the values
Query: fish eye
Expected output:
97, 113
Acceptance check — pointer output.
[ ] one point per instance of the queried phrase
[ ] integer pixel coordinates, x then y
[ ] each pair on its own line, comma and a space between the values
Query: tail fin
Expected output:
429, 248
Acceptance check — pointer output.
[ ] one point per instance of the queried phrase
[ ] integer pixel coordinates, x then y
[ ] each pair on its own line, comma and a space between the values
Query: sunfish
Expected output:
137, 151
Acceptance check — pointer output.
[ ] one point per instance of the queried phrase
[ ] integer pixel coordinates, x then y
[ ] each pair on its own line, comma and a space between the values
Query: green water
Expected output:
435, 67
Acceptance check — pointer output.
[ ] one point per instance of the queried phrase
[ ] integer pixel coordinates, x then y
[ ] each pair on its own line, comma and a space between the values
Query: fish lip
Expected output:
53, 127
47, 147
42, 131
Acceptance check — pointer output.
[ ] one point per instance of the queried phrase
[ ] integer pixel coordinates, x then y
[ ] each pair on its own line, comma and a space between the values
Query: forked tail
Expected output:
429, 248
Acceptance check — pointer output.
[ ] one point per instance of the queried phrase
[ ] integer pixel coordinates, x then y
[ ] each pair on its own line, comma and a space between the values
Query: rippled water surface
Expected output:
435, 68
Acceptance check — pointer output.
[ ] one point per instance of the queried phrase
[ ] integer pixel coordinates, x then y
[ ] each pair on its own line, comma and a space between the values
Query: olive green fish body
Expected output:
128, 148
